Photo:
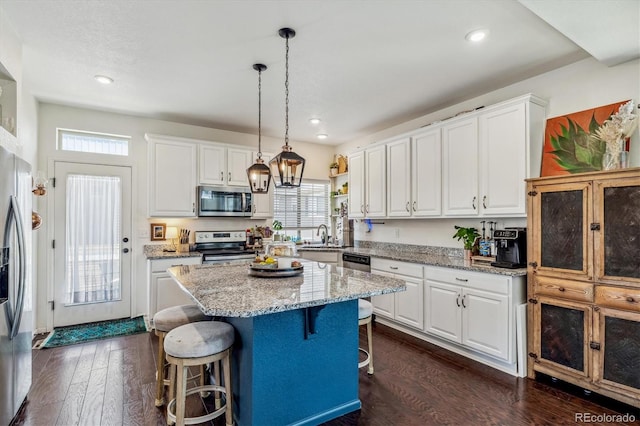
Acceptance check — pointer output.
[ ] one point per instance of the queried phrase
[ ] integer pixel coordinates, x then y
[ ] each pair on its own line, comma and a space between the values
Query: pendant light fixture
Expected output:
259, 173
287, 167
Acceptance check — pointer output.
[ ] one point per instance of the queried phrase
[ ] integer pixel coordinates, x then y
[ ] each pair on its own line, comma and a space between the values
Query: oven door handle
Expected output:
208, 259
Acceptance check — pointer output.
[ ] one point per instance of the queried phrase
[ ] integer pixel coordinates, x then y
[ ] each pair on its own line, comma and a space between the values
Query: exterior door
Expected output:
92, 240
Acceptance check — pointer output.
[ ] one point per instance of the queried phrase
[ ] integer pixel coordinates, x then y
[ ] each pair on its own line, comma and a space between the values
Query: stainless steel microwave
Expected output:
224, 201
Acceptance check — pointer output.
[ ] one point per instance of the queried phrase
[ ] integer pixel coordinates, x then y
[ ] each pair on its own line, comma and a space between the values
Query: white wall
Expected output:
579, 86
52, 117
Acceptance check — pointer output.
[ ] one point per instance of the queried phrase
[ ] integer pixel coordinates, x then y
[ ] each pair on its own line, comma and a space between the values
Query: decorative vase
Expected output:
615, 157
333, 171
467, 254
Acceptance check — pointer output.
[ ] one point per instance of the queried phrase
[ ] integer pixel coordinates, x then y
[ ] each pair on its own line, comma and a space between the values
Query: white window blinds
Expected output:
305, 207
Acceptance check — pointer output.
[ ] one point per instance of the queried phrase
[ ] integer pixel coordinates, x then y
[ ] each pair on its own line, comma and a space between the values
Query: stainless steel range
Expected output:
223, 246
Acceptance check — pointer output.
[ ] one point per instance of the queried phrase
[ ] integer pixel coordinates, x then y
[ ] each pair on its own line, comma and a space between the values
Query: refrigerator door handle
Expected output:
8, 309
14, 214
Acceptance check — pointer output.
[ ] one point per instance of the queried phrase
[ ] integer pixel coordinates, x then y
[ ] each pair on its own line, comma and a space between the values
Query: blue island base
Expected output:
296, 367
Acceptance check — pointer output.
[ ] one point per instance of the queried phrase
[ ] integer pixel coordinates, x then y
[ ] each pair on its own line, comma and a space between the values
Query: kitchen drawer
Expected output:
488, 282
161, 265
395, 267
565, 289
618, 298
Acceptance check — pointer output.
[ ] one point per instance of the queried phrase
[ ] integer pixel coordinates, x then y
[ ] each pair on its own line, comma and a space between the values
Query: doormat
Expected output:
82, 333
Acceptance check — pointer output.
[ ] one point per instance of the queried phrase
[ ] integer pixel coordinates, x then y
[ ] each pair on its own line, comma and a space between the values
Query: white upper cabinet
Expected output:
487, 157
172, 177
460, 167
375, 182
426, 174
399, 178
367, 183
503, 160
414, 175
223, 166
356, 185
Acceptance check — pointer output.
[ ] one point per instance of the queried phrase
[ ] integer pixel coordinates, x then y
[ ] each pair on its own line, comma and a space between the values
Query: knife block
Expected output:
182, 248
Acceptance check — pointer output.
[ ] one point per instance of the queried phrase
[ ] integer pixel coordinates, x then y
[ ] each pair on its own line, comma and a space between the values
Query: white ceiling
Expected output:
360, 66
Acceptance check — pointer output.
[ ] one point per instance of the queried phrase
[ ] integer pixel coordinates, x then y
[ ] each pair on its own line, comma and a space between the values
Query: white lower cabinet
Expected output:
470, 308
406, 306
164, 292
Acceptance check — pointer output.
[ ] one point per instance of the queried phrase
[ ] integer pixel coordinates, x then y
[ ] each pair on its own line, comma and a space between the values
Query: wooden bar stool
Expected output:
365, 312
193, 344
164, 321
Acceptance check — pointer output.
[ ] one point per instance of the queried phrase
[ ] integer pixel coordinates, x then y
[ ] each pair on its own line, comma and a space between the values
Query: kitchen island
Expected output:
296, 351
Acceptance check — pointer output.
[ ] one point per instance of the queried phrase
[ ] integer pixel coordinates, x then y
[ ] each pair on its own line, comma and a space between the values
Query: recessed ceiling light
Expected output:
477, 35
314, 121
103, 79
322, 136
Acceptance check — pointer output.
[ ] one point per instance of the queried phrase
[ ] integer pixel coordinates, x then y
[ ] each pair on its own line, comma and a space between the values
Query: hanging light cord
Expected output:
259, 113
286, 91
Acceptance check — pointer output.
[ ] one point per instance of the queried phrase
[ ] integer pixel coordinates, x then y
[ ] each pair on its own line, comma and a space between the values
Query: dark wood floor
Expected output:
111, 382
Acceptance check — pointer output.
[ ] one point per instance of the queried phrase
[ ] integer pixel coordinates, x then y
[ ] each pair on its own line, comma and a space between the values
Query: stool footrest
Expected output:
171, 407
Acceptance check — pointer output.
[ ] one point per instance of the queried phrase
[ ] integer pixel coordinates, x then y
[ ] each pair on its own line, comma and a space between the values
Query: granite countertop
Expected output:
229, 291
434, 259
155, 251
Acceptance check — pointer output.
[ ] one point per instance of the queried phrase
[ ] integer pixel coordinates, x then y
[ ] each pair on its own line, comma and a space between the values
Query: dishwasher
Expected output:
358, 262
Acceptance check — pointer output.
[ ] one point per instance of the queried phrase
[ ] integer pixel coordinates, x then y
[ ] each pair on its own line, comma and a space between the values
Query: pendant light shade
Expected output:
259, 173
287, 167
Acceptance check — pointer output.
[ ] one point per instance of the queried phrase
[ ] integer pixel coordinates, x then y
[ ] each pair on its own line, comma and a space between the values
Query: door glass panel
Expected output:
562, 336
561, 230
621, 231
622, 351
92, 267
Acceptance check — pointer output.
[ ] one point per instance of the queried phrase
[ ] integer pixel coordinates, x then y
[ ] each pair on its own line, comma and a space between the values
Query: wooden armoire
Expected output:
584, 281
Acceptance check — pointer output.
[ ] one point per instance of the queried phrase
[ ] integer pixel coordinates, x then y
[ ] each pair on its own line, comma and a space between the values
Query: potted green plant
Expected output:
277, 226
333, 169
468, 237
345, 188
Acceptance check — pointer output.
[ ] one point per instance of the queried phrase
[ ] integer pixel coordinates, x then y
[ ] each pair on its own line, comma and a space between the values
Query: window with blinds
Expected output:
301, 210
94, 143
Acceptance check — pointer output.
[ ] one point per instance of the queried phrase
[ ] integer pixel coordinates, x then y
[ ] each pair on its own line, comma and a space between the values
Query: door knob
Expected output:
125, 250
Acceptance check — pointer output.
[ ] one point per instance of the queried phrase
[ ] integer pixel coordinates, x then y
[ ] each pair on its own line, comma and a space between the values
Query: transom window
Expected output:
94, 143
301, 210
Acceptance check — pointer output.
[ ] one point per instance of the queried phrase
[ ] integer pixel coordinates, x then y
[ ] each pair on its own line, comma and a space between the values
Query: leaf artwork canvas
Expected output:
570, 142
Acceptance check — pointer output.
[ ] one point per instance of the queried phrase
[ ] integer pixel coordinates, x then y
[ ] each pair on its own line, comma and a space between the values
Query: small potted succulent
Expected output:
345, 188
468, 237
333, 169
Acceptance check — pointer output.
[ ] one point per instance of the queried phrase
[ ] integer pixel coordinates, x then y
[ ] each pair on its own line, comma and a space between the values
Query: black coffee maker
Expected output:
511, 248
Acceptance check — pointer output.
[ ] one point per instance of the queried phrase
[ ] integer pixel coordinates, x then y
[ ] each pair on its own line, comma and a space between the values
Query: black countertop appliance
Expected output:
511, 248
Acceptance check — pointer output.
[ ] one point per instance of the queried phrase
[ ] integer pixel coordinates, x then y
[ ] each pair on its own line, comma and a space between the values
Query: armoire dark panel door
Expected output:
561, 228
622, 231
562, 339
622, 351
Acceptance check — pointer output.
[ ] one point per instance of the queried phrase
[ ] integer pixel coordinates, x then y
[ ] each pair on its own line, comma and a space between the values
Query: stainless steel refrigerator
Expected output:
16, 300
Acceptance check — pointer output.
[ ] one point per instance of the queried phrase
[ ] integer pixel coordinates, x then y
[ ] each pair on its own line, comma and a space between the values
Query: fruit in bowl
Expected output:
265, 262
296, 264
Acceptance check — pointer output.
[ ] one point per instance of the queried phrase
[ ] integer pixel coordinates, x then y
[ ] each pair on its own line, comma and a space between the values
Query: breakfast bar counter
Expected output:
295, 358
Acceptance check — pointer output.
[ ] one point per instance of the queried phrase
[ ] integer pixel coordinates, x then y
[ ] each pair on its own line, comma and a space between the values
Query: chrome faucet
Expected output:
325, 234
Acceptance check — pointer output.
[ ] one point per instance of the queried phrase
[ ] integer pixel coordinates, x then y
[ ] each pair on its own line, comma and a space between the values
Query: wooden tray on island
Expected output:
267, 272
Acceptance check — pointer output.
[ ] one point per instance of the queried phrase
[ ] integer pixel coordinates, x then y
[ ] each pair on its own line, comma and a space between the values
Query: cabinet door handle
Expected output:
254, 208
221, 176
473, 202
407, 207
464, 280
630, 299
414, 206
362, 208
458, 300
393, 267
229, 176
463, 305
366, 209
484, 202
193, 207
561, 289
